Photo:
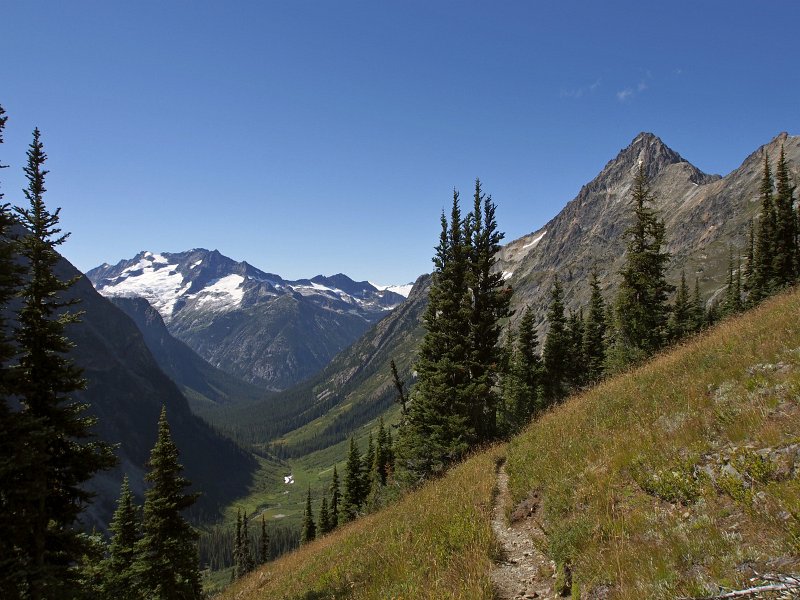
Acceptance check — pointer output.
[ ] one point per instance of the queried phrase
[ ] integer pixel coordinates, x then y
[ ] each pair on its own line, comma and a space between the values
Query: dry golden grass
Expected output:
434, 543
620, 468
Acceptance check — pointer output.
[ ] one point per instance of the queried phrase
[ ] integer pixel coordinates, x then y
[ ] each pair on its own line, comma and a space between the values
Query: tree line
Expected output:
47, 451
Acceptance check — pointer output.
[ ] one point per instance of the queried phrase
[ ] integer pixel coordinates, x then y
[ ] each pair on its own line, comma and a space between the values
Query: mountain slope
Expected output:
704, 216
668, 481
202, 384
249, 323
126, 390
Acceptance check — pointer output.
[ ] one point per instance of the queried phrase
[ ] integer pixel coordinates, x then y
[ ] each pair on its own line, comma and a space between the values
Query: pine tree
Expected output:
166, 564
749, 265
353, 483
681, 322
594, 336
309, 529
324, 517
784, 260
57, 433
381, 463
763, 274
238, 547
263, 545
555, 356
125, 533
248, 562
733, 293
576, 363
642, 310
437, 429
399, 386
698, 313
336, 497
490, 301
526, 370
15, 461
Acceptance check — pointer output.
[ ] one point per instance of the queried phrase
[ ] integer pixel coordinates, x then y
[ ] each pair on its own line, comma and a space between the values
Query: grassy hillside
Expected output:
672, 480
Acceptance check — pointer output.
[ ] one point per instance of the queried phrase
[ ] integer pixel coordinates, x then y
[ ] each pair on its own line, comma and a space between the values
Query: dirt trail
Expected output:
524, 571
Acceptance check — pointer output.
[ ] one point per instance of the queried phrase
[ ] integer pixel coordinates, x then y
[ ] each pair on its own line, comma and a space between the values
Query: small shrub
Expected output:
676, 484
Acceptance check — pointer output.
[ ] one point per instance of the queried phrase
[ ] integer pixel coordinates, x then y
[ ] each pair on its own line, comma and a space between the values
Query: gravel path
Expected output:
524, 571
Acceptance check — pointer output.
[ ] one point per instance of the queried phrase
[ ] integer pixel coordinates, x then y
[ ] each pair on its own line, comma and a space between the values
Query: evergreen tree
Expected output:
681, 322
353, 483
238, 548
368, 462
324, 517
309, 529
576, 363
437, 429
555, 355
526, 370
762, 280
166, 564
381, 462
263, 546
594, 336
749, 265
733, 293
125, 533
57, 433
784, 260
490, 301
336, 497
15, 460
248, 562
642, 310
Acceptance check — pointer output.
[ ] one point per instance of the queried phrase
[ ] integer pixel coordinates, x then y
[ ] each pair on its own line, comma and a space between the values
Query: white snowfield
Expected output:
159, 281
403, 290
534, 241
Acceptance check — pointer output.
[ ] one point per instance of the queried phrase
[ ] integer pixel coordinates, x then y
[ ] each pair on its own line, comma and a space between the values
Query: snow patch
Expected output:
535, 241
403, 290
507, 274
225, 292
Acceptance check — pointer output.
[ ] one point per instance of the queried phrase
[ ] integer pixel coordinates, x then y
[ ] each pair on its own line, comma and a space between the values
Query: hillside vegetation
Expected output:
668, 481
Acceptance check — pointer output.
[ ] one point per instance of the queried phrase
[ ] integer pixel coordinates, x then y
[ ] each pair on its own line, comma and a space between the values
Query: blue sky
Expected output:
324, 137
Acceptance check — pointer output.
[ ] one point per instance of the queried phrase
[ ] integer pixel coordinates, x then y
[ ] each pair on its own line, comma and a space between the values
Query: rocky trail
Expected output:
524, 571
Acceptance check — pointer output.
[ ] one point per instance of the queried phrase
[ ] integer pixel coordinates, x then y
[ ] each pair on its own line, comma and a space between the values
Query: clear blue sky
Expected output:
319, 137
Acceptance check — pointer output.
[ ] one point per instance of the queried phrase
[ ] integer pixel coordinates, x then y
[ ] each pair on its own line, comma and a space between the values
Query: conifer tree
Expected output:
526, 370
749, 265
733, 293
399, 386
248, 562
381, 462
576, 363
336, 496
763, 273
437, 429
166, 564
368, 462
641, 307
594, 336
238, 547
681, 321
490, 301
309, 529
263, 545
784, 260
57, 433
555, 357
353, 483
125, 533
15, 461
324, 517
698, 308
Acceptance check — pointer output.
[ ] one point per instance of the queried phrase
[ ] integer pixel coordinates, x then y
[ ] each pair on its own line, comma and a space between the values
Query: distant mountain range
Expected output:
255, 325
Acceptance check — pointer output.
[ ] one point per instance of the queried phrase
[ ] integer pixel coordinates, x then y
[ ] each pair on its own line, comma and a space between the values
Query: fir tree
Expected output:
247, 562
263, 545
15, 460
399, 386
594, 336
166, 564
437, 428
681, 322
125, 534
335, 499
526, 370
642, 310
57, 433
490, 300
324, 517
749, 265
762, 280
785, 257
698, 312
733, 292
576, 360
309, 529
555, 354
353, 483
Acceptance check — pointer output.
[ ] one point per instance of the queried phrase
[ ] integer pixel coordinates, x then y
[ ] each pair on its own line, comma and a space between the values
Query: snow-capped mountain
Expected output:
245, 321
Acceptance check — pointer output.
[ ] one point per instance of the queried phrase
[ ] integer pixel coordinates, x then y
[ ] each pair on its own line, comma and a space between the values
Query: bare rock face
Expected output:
705, 215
